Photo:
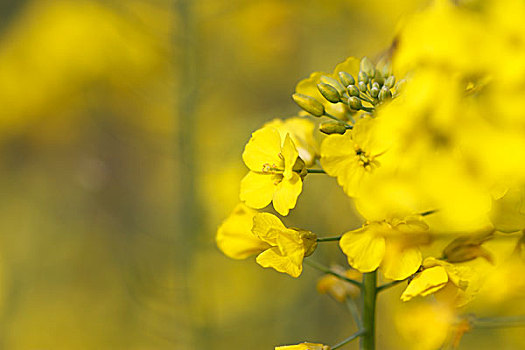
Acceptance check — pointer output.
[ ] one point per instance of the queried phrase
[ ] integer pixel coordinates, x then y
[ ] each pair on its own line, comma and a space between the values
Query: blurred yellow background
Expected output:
122, 124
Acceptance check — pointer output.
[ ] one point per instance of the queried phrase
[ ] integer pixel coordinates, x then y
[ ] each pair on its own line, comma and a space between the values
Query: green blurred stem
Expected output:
325, 269
499, 322
328, 239
369, 294
349, 339
354, 311
315, 171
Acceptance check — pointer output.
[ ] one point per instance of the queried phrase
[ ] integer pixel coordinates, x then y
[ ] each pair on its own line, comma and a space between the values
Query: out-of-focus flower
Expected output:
275, 171
425, 326
457, 284
234, 236
338, 288
392, 245
304, 346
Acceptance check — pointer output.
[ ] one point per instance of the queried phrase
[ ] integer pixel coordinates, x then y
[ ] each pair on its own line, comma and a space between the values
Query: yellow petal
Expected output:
303, 346
263, 148
338, 159
290, 154
267, 227
235, 238
257, 189
363, 250
273, 258
427, 282
400, 263
286, 193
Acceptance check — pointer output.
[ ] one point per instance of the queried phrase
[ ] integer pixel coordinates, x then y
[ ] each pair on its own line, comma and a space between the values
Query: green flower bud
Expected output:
352, 90
379, 79
374, 92
346, 78
329, 92
390, 81
332, 128
354, 103
309, 104
367, 66
376, 85
362, 86
385, 94
334, 82
363, 77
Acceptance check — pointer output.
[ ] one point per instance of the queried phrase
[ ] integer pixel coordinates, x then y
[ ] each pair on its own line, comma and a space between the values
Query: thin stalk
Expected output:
388, 285
351, 305
328, 239
369, 294
325, 269
315, 171
499, 322
349, 339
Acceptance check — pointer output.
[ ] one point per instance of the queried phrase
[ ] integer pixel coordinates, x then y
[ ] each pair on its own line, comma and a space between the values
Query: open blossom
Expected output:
275, 171
391, 245
246, 233
352, 157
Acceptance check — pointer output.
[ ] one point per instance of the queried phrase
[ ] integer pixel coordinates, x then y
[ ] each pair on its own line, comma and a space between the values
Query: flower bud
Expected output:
346, 78
385, 94
363, 77
390, 81
309, 104
332, 128
352, 90
354, 103
334, 82
376, 85
367, 66
374, 92
329, 92
362, 86
467, 248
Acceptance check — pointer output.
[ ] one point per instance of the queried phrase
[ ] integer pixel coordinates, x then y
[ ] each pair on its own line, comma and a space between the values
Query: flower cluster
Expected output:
432, 154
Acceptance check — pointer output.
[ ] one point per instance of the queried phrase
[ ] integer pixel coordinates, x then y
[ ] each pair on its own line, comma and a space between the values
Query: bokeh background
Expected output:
122, 124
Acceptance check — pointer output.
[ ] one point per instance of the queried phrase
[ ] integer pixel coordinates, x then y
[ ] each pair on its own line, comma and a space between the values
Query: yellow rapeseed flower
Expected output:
303, 346
275, 171
246, 232
392, 245
352, 157
301, 131
287, 246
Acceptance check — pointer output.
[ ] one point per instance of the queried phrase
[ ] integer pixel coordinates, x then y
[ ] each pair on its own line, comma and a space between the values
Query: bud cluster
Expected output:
373, 85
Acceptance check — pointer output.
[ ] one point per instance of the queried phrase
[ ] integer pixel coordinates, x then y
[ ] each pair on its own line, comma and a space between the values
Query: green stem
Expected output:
369, 293
348, 340
339, 120
354, 311
325, 269
328, 239
388, 285
315, 171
